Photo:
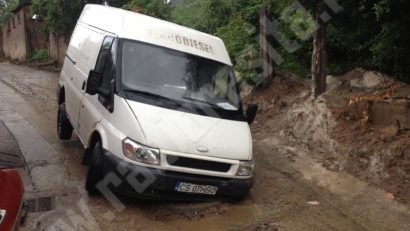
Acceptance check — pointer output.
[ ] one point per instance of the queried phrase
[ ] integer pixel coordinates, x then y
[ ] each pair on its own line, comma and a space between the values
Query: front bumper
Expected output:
149, 183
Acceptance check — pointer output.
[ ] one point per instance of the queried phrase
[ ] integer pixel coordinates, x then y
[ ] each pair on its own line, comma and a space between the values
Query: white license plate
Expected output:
195, 188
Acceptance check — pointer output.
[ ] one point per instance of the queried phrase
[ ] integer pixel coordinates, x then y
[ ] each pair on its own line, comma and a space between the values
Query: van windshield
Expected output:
154, 70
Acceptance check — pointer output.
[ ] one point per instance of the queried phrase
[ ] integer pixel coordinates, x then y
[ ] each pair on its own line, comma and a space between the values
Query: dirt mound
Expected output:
285, 91
372, 130
361, 125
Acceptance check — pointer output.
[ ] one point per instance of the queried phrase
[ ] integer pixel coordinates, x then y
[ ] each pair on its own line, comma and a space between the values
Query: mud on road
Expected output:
291, 192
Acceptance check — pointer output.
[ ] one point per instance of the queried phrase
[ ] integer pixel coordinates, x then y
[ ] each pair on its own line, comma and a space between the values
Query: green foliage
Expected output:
372, 34
231, 20
203, 15
40, 55
59, 17
113, 3
155, 8
244, 64
237, 34
298, 62
6, 6
239, 40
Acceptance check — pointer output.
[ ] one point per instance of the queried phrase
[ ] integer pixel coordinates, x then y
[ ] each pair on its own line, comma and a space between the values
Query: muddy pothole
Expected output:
190, 211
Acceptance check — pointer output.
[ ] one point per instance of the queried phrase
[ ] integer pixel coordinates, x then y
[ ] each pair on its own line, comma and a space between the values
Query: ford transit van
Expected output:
157, 107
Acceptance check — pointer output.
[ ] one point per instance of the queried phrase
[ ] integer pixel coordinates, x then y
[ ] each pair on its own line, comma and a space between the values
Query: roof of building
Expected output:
135, 26
22, 3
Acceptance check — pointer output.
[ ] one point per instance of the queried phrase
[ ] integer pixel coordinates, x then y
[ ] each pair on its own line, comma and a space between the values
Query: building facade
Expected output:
15, 34
21, 35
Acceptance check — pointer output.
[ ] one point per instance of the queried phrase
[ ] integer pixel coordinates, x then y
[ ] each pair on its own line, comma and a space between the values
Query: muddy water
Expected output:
288, 195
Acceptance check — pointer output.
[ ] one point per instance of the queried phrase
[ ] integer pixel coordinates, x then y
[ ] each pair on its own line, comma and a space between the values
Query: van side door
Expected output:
81, 53
93, 107
70, 72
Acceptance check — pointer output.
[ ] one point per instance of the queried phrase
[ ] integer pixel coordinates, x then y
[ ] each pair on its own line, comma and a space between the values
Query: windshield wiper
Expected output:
153, 96
201, 101
147, 94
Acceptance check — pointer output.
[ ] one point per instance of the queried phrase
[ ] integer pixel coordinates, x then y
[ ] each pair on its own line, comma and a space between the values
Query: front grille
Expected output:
198, 164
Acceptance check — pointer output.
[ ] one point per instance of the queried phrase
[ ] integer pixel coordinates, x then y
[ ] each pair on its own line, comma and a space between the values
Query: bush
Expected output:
40, 55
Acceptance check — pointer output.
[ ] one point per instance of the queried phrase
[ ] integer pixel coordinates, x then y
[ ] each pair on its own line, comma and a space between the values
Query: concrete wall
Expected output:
14, 36
57, 48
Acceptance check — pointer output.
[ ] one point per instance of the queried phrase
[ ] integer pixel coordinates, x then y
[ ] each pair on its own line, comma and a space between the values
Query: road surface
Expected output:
292, 192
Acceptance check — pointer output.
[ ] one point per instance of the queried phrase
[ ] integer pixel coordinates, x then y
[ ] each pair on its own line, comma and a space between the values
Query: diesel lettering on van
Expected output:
182, 40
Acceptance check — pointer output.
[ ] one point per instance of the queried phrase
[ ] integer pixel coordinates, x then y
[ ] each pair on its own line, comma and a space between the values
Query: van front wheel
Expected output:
64, 127
95, 173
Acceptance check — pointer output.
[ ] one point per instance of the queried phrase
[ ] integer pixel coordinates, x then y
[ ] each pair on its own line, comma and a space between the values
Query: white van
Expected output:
157, 108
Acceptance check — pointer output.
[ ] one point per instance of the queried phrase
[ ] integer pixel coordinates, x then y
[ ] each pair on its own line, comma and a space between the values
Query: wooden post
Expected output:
267, 62
319, 55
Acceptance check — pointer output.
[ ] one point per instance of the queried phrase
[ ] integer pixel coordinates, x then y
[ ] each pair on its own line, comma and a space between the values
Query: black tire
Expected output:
95, 173
64, 127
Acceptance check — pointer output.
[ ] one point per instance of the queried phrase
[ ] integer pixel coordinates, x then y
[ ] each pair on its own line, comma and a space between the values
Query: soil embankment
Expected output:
360, 126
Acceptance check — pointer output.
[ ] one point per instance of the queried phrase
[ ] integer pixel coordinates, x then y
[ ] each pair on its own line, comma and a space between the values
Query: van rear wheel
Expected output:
95, 173
64, 127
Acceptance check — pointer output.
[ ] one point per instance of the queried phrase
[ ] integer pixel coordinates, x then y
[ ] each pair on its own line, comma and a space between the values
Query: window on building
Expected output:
18, 18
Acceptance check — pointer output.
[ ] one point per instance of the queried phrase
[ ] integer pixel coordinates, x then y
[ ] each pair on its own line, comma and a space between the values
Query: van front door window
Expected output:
106, 66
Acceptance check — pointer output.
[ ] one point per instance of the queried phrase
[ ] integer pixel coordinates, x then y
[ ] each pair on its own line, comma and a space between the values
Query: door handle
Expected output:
83, 86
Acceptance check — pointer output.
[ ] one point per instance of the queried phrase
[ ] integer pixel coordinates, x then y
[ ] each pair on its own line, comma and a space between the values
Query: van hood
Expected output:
171, 130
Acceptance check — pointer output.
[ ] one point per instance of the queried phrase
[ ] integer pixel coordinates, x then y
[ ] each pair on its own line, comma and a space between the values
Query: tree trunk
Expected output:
319, 56
267, 61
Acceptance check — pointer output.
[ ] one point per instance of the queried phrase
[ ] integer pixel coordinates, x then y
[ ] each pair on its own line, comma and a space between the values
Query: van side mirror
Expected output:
93, 82
251, 113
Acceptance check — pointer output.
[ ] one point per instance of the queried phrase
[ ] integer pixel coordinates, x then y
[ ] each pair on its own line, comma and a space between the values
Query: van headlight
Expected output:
246, 168
140, 153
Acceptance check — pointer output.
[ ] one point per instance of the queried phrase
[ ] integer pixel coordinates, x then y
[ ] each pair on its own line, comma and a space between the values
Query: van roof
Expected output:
130, 25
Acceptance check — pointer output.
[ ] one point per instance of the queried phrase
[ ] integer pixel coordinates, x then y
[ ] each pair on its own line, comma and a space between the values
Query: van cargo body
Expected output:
156, 106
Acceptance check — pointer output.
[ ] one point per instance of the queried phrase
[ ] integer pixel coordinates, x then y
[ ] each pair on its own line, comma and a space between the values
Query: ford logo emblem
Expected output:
202, 149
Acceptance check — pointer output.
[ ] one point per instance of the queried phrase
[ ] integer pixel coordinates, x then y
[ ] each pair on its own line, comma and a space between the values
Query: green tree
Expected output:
372, 34
59, 17
204, 15
155, 8
6, 6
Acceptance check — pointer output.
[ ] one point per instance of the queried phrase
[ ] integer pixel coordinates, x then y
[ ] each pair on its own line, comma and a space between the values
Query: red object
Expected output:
11, 198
